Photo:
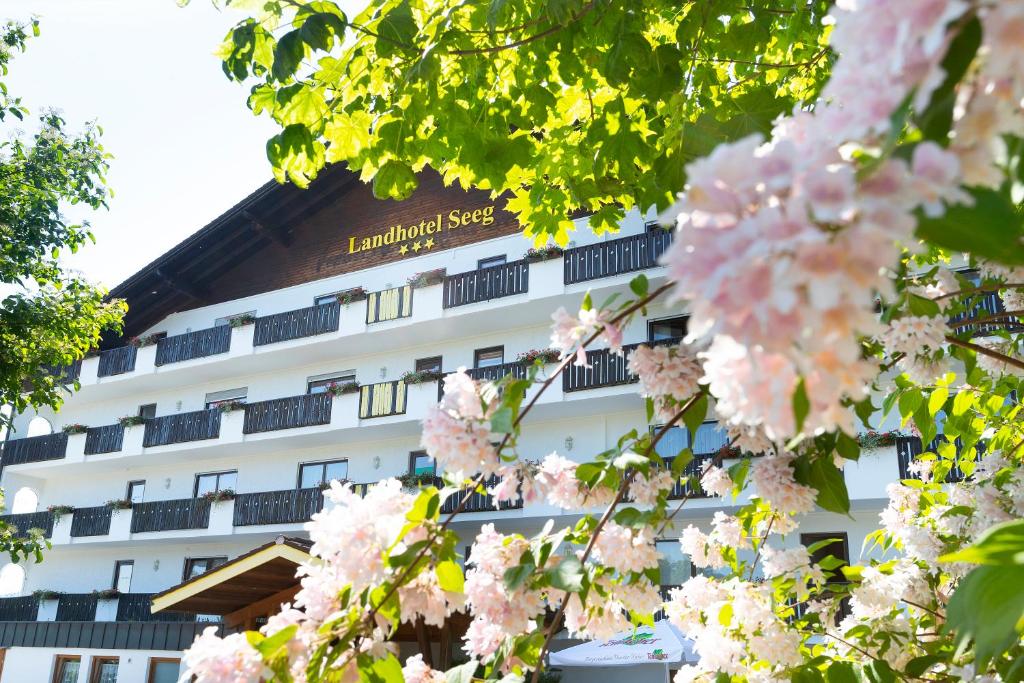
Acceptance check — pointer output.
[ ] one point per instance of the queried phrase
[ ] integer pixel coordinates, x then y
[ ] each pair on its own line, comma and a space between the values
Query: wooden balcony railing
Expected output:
117, 361
170, 515
287, 413
194, 426
389, 304
105, 439
31, 520
34, 449
136, 607
93, 521
382, 399
23, 608
615, 257
478, 502
483, 284
909, 447
606, 368
290, 506
303, 322
76, 607
198, 344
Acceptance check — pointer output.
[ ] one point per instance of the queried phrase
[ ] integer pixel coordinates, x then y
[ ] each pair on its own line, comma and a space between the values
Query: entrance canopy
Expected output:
663, 644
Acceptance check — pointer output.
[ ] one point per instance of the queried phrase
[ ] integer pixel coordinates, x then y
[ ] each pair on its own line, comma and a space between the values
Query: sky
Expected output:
185, 146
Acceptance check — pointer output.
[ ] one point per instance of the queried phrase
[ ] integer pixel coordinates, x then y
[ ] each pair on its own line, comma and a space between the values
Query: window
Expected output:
313, 474
196, 566
65, 668
710, 438
318, 384
216, 398
12, 579
432, 364
104, 670
212, 482
838, 547
39, 426
136, 491
163, 670
25, 500
667, 328
326, 299
489, 357
421, 463
226, 320
147, 411
654, 226
123, 575
491, 261
674, 566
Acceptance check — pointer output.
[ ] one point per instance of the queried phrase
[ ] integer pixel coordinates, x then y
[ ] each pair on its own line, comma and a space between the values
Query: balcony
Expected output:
198, 344
382, 399
34, 449
30, 520
688, 485
105, 439
478, 502
484, 284
615, 257
909, 447
170, 515
291, 506
288, 413
136, 607
605, 368
85, 607
303, 322
389, 304
988, 304
76, 607
194, 426
24, 608
91, 521
117, 361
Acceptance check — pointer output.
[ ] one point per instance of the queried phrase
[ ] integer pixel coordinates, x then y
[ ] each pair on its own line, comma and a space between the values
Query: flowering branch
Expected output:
985, 351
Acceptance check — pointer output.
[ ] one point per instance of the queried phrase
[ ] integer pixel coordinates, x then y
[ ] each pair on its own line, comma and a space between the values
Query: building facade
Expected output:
263, 357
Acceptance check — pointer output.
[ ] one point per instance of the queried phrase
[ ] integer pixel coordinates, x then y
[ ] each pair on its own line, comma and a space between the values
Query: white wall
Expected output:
36, 664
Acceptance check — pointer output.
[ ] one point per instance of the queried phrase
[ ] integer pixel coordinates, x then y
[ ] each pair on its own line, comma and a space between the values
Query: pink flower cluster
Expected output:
626, 549
773, 478
668, 375
918, 338
456, 432
556, 477
606, 611
212, 659
415, 671
570, 332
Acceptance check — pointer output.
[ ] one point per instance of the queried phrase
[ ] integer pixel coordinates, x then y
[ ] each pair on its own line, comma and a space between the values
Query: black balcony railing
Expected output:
65, 374
483, 284
136, 607
605, 368
382, 399
909, 447
198, 344
117, 361
615, 257
76, 607
493, 373
105, 439
290, 506
303, 322
24, 608
94, 521
478, 502
288, 413
171, 515
34, 449
688, 486
194, 426
389, 304
30, 520
986, 304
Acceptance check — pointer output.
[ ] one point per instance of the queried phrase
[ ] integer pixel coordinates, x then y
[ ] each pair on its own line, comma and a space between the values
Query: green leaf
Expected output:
269, 646
567, 575
396, 31
847, 446
918, 665
879, 671
937, 400
516, 576
841, 672
987, 608
288, 55
694, 417
394, 180
1002, 544
462, 673
801, 404
449, 577
639, 285
501, 420
425, 507
387, 670
830, 484
991, 228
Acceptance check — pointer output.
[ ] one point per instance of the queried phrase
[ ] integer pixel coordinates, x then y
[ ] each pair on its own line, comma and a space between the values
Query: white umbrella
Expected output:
663, 644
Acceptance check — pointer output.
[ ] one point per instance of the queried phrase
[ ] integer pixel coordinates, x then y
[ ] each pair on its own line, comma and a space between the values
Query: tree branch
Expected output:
985, 351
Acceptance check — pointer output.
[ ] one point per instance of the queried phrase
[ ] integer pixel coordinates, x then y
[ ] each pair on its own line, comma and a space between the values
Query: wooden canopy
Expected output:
249, 586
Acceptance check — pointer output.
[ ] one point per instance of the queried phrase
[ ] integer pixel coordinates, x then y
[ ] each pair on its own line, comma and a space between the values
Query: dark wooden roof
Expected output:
179, 279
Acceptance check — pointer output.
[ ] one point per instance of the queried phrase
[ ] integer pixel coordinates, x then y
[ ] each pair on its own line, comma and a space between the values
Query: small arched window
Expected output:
39, 426
12, 579
25, 500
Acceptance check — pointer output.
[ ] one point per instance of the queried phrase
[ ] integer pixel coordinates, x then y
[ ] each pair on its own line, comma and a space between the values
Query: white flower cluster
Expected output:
457, 433
668, 376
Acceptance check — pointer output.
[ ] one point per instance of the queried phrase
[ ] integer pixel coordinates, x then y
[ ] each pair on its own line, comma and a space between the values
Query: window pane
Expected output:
310, 476
123, 580
69, 671
669, 328
486, 358
164, 672
711, 436
206, 483
319, 384
147, 411
674, 565
674, 440
227, 480
137, 491
432, 364
491, 261
325, 299
107, 673
336, 470
422, 464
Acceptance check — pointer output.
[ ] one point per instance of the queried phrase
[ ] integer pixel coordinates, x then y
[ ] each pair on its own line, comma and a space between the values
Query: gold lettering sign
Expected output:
422, 235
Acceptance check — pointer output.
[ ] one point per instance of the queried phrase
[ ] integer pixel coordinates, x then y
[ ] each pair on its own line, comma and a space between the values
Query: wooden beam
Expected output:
424, 642
274, 233
445, 645
261, 608
181, 287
